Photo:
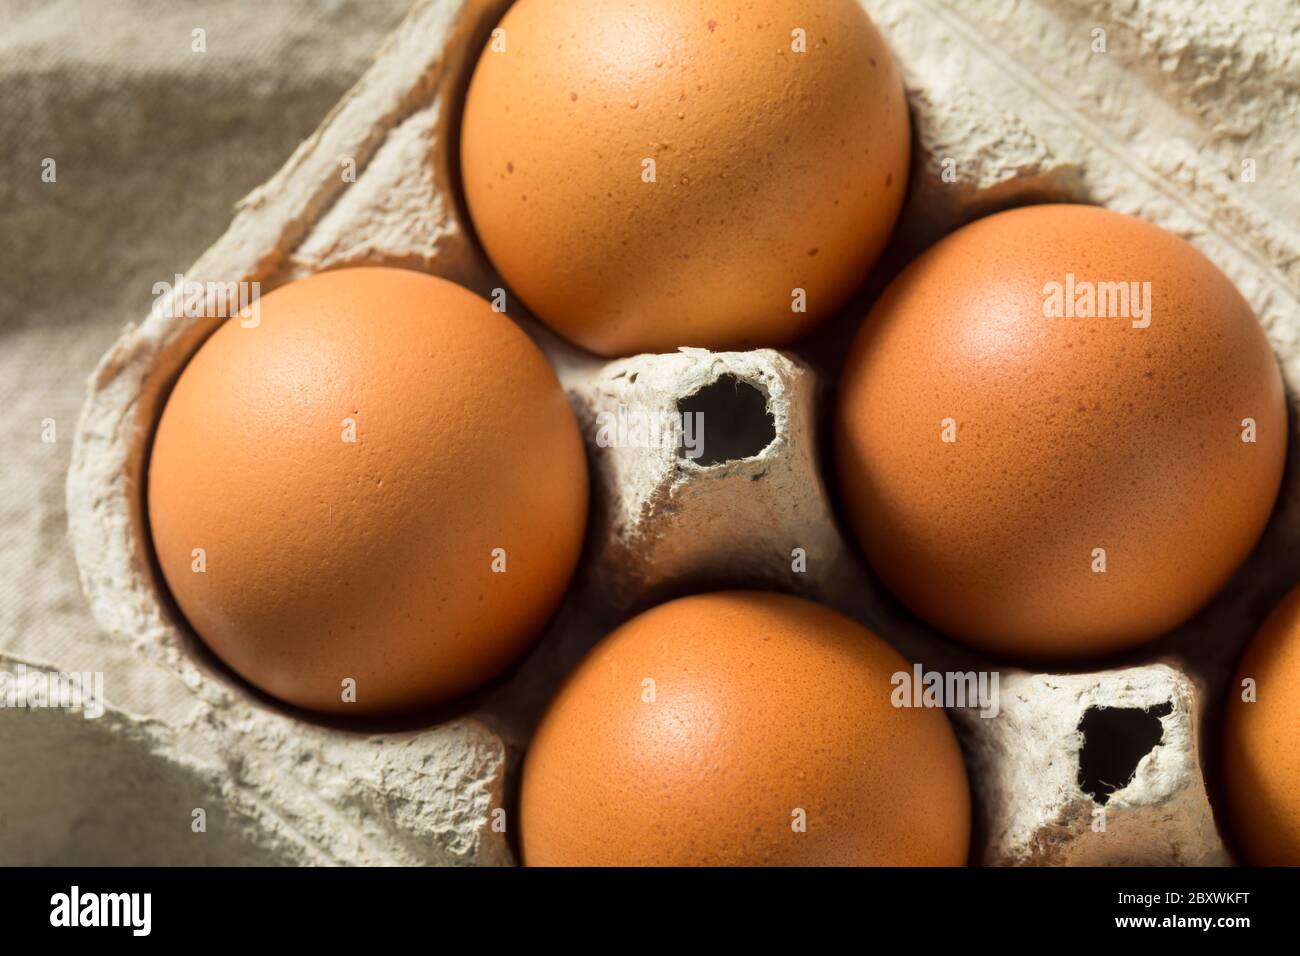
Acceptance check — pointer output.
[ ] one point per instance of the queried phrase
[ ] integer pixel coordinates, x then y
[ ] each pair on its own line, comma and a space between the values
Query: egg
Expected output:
649, 174
1059, 433
372, 497
741, 728
1261, 743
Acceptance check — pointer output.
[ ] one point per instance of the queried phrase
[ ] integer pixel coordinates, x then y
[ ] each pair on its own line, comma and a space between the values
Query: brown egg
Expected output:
328, 491
1058, 486
742, 728
1261, 743
648, 174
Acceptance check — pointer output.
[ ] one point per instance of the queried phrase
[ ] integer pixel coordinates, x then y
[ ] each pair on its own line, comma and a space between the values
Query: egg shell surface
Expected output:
742, 728
650, 174
1053, 486
344, 473
1261, 743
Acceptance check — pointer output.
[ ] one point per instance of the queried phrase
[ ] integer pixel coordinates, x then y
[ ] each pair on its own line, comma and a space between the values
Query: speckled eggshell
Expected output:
327, 559
1077, 440
774, 170
1261, 743
705, 730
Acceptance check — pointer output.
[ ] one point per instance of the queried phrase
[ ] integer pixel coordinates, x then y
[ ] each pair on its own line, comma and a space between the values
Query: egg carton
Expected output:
1107, 765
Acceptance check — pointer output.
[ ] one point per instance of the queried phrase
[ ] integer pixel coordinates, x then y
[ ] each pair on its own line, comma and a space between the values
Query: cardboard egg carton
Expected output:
377, 184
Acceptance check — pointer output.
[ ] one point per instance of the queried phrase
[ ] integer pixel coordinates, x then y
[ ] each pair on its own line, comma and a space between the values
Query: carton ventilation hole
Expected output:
735, 418
1115, 739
